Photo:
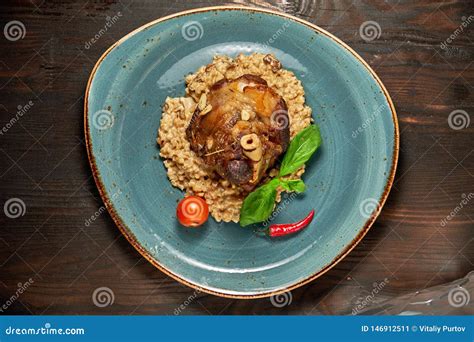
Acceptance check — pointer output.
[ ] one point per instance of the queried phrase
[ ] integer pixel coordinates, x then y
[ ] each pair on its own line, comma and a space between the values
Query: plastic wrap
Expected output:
448, 299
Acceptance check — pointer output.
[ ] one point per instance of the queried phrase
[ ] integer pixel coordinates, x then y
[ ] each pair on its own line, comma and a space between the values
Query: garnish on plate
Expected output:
259, 204
192, 211
283, 229
223, 137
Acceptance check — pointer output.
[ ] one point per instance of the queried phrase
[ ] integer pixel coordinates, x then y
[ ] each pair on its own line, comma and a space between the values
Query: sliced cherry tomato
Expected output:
192, 211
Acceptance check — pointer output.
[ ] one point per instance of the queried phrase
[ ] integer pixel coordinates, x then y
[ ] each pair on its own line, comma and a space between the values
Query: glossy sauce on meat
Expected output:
240, 128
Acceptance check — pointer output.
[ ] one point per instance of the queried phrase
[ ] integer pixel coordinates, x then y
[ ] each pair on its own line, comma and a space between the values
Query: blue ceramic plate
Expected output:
348, 179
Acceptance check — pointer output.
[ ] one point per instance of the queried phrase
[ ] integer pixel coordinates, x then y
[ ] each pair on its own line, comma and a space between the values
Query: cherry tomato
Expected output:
192, 211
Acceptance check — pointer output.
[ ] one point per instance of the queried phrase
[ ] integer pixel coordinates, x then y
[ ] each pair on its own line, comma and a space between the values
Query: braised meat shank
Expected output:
240, 128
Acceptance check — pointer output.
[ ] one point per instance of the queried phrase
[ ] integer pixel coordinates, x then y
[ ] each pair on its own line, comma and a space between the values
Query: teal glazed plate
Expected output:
348, 179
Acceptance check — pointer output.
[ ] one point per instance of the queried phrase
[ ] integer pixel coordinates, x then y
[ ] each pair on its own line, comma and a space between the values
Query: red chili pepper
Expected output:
289, 228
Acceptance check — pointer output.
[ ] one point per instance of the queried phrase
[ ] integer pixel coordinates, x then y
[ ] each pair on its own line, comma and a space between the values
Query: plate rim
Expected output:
129, 234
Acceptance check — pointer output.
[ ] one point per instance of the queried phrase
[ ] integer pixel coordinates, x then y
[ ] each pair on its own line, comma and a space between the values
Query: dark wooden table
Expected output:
44, 162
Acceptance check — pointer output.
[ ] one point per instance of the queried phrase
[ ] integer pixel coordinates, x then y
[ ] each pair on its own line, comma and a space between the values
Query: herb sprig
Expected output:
258, 205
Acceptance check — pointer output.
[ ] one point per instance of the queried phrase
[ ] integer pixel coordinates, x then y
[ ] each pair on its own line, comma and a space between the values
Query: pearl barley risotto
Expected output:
188, 171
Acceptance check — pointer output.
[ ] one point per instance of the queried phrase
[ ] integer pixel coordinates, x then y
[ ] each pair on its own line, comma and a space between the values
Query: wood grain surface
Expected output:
43, 161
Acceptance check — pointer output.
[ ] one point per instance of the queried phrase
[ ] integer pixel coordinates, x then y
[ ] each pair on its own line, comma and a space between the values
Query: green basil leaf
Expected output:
301, 148
296, 185
258, 205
